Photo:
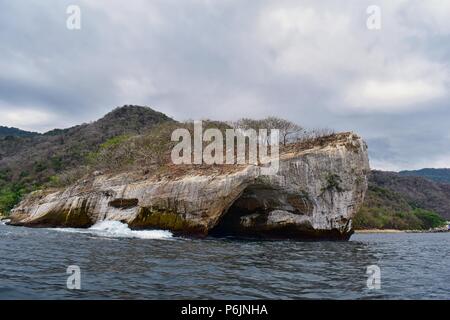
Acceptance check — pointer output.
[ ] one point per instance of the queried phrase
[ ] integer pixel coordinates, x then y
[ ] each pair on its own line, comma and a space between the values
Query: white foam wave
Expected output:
116, 229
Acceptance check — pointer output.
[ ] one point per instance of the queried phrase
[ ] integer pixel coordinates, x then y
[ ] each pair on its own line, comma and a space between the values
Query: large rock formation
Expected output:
314, 196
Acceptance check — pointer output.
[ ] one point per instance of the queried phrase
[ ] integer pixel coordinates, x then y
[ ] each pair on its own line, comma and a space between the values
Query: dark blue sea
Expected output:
117, 263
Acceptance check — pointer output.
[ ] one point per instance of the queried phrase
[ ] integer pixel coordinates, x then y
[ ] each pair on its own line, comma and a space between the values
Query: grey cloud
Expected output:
230, 59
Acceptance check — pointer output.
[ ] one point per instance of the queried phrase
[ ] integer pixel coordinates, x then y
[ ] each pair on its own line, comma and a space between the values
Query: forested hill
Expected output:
419, 192
438, 175
27, 161
15, 132
395, 201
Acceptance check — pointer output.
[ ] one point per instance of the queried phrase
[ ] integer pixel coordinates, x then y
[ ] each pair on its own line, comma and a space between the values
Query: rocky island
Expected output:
315, 194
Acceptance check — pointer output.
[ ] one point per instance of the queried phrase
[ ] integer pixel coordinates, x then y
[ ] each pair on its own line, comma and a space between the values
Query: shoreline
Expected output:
360, 231
369, 231
365, 231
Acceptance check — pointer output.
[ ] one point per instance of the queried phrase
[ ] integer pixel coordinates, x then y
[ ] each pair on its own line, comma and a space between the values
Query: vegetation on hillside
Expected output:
14, 132
29, 162
417, 191
385, 209
289, 131
151, 151
437, 175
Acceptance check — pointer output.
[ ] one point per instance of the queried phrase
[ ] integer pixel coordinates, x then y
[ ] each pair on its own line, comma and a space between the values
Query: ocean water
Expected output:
118, 263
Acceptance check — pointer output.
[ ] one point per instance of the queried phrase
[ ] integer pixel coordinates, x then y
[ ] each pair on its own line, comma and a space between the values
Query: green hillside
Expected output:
29, 161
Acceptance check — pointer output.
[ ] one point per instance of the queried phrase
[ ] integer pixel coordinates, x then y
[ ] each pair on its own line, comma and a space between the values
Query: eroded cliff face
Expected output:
314, 196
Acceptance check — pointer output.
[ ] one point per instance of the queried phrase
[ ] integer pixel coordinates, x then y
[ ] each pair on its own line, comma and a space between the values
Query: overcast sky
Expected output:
313, 62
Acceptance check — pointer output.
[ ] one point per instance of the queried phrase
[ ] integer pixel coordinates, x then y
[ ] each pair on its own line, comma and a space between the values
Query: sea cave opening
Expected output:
249, 214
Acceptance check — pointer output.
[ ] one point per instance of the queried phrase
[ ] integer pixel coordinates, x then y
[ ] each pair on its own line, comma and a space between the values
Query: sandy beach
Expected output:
380, 231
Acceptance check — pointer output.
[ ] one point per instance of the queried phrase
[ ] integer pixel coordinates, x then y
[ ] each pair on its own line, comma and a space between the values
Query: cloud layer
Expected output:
314, 63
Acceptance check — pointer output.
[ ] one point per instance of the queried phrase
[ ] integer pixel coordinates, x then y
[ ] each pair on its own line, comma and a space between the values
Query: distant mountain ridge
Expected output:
438, 175
15, 132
